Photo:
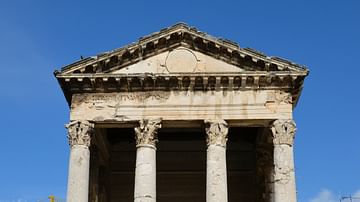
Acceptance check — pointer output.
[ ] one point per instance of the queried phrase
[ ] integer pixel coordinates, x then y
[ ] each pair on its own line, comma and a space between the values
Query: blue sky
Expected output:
37, 37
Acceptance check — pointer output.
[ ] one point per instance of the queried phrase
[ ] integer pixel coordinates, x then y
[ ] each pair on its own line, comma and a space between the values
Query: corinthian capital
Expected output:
216, 131
80, 132
283, 132
146, 133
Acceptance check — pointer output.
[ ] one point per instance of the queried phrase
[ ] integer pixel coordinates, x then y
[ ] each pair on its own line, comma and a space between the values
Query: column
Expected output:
79, 135
145, 170
284, 188
216, 177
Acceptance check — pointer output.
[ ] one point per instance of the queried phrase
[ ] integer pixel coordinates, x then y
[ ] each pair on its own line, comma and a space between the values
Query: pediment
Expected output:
181, 48
180, 58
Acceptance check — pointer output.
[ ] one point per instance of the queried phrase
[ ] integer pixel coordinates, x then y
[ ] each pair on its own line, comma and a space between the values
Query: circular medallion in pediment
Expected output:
181, 60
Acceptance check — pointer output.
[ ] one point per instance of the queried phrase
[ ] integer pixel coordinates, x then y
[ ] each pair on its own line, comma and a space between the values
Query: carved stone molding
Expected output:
283, 97
146, 133
283, 132
80, 132
216, 131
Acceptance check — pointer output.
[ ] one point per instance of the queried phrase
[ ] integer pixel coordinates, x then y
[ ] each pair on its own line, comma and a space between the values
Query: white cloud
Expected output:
325, 196
357, 194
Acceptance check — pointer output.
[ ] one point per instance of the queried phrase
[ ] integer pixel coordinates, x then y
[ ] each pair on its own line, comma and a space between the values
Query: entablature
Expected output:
93, 83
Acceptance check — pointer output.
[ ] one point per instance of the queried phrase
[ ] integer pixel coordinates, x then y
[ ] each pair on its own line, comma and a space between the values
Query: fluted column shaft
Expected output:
284, 188
216, 174
145, 170
79, 135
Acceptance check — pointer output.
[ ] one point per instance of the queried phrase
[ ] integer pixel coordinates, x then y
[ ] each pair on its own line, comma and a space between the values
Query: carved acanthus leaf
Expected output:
146, 133
283, 132
80, 132
216, 131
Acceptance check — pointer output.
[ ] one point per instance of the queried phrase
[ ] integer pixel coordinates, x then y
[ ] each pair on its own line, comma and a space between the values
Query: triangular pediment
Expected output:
180, 58
181, 48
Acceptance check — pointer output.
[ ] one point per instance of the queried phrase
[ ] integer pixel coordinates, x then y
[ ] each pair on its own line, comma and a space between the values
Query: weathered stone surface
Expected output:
79, 133
182, 50
183, 105
283, 132
216, 177
78, 179
179, 60
145, 170
283, 173
146, 133
145, 175
216, 131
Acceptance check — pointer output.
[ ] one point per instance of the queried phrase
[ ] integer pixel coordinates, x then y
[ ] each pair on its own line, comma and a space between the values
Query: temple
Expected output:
181, 116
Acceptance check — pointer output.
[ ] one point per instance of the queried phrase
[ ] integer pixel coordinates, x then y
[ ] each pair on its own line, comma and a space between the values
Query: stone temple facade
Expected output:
181, 116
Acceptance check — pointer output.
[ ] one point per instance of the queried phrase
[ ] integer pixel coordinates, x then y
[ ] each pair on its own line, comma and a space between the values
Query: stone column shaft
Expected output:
79, 134
145, 174
216, 173
145, 170
284, 188
78, 178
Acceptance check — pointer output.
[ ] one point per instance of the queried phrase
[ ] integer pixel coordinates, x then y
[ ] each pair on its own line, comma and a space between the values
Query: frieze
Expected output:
280, 97
143, 96
99, 98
